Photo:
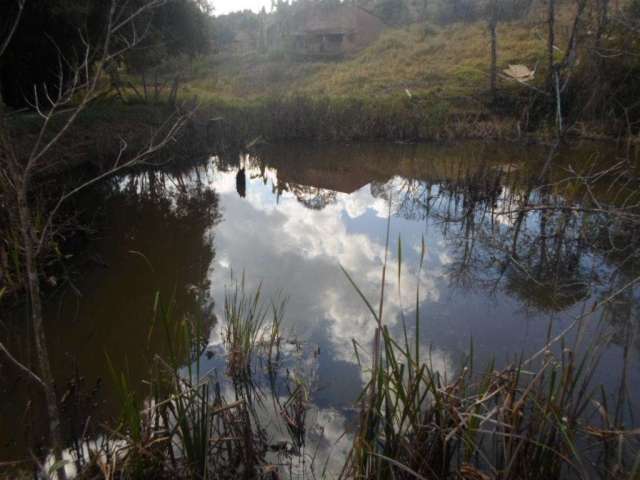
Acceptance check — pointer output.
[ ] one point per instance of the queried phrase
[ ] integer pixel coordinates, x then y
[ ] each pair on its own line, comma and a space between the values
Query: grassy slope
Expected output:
447, 61
452, 61
445, 68
363, 96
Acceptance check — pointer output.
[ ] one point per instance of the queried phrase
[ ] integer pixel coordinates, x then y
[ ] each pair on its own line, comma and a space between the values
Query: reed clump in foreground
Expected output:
540, 417
186, 427
247, 331
513, 424
192, 424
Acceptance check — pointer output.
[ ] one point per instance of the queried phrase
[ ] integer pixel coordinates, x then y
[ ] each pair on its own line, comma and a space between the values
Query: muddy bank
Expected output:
222, 125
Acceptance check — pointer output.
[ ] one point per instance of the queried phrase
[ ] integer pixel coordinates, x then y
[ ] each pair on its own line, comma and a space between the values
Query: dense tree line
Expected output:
52, 34
55, 56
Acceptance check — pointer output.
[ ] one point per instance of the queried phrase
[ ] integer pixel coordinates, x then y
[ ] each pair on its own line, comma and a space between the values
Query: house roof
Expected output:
321, 31
345, 181
322, 19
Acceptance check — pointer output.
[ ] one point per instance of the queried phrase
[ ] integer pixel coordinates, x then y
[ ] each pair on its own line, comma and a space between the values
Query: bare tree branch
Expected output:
13, 28
21, 366
78, 83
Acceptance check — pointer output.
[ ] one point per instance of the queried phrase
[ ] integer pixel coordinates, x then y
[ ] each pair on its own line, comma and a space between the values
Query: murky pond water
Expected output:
287, 219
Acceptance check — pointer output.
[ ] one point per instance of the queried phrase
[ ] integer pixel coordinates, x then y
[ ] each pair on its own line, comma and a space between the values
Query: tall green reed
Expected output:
532, 419
174, 430
246, 327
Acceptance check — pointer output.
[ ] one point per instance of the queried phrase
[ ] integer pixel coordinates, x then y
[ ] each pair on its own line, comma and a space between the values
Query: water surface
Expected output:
287, 218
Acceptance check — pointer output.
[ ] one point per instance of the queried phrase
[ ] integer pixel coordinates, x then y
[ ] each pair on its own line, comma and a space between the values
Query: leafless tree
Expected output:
21, 169
551, 39
493, 24
4, 42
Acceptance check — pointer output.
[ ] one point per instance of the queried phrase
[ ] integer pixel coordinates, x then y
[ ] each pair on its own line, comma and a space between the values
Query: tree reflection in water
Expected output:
159, 239
293, 214
539, 241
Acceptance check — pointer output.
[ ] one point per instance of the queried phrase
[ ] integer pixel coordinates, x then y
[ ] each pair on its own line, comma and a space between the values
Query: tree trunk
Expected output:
33, 280
603, 20
551, 40
493, 76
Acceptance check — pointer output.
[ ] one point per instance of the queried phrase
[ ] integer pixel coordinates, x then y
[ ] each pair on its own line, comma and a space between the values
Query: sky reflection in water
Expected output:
279, 242
300, 214
291, 237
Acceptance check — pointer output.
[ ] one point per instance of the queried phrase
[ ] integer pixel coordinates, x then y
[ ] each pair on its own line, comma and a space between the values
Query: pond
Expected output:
495, 278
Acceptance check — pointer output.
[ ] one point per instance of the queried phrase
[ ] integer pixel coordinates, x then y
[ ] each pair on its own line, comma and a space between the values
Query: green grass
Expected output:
246, 328
416, 83
540, 417
185, 427
450, 61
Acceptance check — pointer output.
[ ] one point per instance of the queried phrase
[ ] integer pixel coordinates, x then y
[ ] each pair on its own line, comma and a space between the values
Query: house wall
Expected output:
367, 29
359, 28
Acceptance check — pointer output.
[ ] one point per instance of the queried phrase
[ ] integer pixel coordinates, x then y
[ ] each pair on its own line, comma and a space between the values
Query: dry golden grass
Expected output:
449, 61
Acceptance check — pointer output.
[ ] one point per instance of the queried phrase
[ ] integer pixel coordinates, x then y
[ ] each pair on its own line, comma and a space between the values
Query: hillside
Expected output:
450, 61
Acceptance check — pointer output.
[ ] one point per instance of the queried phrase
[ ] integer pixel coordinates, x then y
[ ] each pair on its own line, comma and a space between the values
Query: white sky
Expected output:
227, 6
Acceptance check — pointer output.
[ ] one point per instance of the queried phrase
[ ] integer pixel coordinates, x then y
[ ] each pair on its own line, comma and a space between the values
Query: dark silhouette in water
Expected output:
241, 183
